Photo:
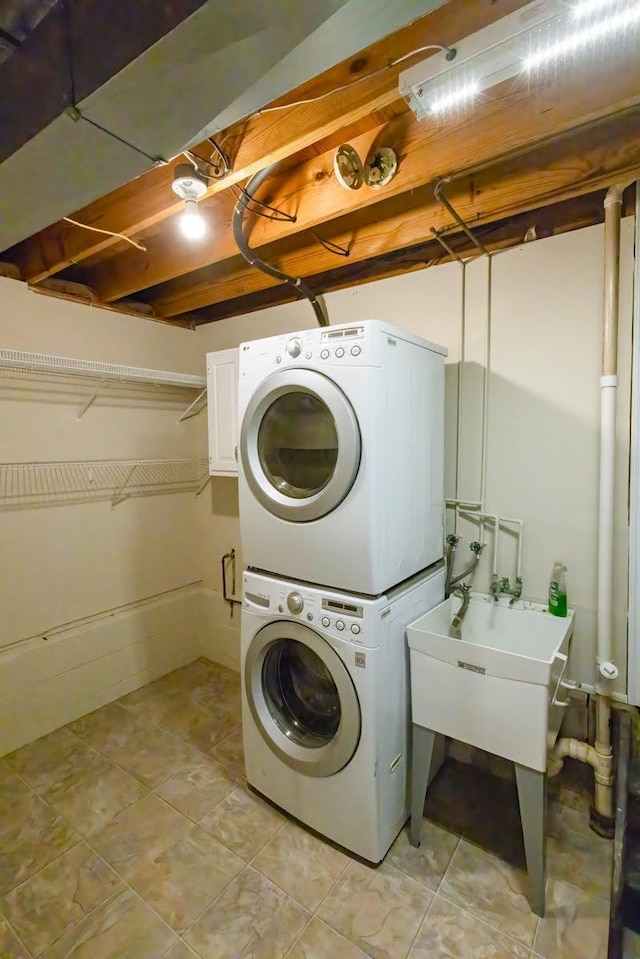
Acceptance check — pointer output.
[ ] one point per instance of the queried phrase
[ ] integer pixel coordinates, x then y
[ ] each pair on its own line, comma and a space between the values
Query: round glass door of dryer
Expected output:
300, 445
302, 699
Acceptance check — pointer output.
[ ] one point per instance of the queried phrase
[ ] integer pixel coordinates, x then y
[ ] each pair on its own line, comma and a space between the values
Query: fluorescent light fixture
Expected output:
587, 8
584, 37
454, 98
538, 35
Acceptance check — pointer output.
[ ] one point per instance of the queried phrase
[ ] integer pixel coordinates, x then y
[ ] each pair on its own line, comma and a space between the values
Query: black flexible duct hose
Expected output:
251, 257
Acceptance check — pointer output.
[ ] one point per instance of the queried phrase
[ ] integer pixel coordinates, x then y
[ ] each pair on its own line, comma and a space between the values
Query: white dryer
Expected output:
325, 703
342, 455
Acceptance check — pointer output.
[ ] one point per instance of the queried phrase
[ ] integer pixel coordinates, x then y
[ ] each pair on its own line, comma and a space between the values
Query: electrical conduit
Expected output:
251, 257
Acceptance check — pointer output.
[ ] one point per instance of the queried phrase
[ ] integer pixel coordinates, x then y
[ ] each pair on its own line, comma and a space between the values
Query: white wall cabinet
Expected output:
222, 403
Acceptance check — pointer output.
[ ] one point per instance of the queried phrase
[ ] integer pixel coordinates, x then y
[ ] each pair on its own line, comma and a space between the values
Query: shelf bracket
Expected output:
206, 479
194, 407
118, 496
101, 385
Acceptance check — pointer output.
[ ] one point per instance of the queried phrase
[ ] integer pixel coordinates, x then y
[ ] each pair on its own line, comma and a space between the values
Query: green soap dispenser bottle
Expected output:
558, 590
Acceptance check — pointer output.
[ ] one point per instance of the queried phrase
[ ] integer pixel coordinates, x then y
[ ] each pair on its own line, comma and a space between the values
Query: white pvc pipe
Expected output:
608, 397
608, 391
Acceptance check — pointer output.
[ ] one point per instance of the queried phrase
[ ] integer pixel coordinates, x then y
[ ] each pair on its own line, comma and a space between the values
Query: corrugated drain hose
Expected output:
251, 257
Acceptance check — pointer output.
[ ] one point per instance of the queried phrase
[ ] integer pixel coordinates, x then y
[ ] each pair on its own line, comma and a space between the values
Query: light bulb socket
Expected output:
188, 183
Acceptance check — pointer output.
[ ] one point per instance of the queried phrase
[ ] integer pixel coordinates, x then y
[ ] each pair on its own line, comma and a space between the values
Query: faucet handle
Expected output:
477, 547
452, 539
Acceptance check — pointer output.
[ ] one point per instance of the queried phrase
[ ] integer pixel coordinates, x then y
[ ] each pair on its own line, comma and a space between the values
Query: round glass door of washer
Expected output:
302, 698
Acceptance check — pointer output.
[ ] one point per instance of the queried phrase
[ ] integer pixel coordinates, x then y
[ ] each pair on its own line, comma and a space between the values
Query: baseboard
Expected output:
46, 683
220, 629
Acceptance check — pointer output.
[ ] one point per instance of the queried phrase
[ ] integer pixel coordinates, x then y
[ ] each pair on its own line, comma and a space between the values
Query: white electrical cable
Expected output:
96, 229
352, 83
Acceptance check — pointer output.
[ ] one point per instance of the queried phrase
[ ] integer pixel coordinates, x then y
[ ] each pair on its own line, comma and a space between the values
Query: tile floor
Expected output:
130, 834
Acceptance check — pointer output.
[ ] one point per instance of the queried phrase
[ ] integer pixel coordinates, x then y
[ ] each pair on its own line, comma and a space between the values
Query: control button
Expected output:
308, 355
355, 629
324, 354
281, 608
309, 616
295, 602
325, 621
339, 352
278, 359
355, 351
339, 625
294, 347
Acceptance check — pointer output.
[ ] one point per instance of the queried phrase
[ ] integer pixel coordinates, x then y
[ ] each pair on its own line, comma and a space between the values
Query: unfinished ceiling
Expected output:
530, 158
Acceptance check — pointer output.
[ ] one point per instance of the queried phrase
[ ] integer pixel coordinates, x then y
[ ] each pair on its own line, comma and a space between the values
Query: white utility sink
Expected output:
498, 685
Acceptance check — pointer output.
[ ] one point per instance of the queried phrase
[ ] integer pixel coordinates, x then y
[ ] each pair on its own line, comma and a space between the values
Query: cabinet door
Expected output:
222, 404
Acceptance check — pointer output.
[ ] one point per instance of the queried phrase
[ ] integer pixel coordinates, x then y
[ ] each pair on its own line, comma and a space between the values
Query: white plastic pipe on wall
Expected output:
608, 398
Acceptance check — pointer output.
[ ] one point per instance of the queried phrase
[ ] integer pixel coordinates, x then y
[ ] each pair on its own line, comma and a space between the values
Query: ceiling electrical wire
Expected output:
96, 229
451, 55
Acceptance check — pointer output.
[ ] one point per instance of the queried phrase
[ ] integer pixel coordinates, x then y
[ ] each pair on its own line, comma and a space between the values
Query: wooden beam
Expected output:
562, 217
512, 117
548, 175
262, 139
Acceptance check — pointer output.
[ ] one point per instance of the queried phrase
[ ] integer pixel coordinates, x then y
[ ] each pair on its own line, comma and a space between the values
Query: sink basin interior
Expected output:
525, 629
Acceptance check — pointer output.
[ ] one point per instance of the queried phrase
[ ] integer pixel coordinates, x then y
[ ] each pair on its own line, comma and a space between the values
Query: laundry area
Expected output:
319, 480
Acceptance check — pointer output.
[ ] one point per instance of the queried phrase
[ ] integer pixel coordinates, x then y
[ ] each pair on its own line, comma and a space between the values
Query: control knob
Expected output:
295, 603
294, 347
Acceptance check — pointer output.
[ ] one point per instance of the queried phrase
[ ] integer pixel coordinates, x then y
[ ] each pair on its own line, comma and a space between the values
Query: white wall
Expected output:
546, 313
86, 565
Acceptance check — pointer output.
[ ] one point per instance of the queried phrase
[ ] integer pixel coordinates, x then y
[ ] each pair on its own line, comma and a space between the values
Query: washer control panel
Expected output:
344, 618
340, 345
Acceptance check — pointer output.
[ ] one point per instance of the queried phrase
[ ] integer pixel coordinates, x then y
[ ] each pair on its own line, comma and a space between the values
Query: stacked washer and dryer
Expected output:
341, 516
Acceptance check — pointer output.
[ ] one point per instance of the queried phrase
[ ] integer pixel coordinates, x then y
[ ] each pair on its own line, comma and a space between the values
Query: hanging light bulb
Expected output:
192, 222
190, 185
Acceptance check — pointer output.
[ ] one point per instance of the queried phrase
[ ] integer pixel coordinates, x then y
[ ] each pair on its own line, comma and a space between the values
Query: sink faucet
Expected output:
463, 590
476, 548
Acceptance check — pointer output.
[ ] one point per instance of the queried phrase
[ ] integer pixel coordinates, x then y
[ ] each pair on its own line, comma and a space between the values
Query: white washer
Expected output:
342, 455
325, 703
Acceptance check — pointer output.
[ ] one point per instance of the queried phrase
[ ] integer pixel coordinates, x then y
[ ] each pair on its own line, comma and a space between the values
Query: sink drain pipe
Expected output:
298, 284
600, 755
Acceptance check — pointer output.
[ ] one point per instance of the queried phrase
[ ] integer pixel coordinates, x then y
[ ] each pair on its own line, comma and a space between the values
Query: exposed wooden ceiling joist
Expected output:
608, 151
511, 118
261, 140
573, 214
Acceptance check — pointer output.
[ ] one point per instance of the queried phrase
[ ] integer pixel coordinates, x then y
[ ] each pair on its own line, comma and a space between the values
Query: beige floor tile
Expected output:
380, 910
199, 724
301, 864
51, 759
148, 753
10, 945
252, 919
197, 788
449, 932
230, 752
492, 890
124, 927
180, 882
575, 925
630, 945
139, 834
575, 853
243, 822
92, 796
31, 834
320, 941
429, 862
181, 951
60, 896
14, 794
